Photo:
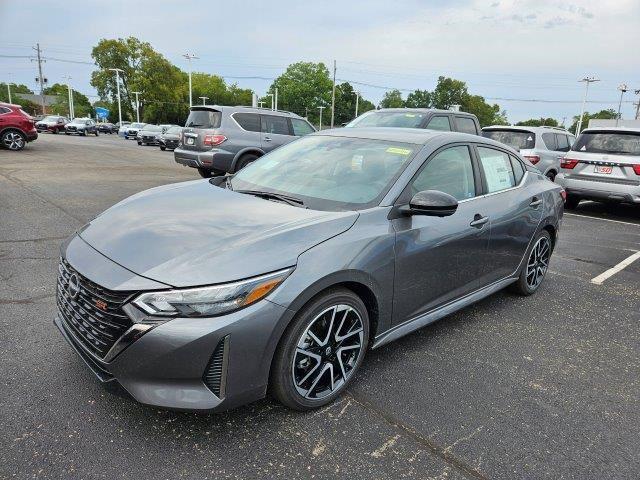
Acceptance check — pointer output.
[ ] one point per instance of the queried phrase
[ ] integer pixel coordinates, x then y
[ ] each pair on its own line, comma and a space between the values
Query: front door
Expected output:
439, 259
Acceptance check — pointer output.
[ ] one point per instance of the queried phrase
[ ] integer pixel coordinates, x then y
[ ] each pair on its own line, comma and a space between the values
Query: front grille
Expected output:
147, 138
91, 313
73, 129
216, 372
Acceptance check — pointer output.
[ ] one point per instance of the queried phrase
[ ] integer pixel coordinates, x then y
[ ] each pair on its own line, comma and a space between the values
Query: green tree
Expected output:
302, 88
487, 114
346, 104
81, 105
608, 114
392, 99
419, 99
448, 92
27, 105
539, 122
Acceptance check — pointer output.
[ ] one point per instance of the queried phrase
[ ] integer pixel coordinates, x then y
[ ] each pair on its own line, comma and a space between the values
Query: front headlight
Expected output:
210, 301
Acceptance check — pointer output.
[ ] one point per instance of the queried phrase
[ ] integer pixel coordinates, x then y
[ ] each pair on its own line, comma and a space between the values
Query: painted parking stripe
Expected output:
612, 271
599, 218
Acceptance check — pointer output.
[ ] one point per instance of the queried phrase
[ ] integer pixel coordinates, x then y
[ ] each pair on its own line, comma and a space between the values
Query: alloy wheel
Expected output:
538, 262
13, 141
328, 351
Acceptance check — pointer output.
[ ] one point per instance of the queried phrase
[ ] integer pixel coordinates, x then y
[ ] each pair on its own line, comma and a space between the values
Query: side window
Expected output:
550, 140
466, 125
563, 143
4, 110
571, 140
497, 169
274, 124
449, 171
248, 121
518, 169
300, 127
439, 122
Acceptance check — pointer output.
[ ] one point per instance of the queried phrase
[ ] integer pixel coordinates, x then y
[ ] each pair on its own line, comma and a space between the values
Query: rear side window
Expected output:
516, 139
498, 172
563, 142
248, 121
439, 122
518, 169
550, 141
300, 127
616, 143
275, 124
203, 119
4, 110
466, 125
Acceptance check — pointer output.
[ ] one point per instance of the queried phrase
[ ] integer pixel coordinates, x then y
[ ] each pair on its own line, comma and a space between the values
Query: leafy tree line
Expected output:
27, 105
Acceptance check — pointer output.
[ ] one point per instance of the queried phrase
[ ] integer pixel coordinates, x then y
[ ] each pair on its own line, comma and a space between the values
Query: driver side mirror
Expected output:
431, 203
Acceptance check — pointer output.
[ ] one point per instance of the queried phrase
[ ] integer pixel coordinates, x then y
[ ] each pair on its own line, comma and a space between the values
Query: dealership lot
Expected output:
545, 386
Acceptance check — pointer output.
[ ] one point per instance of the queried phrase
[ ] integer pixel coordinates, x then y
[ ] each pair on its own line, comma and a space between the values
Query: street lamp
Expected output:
203, 100
587, 80
137, 106
357, 98
272, 100
190, 56
623, 88
9, 89
118, 70
72, 112
320, 124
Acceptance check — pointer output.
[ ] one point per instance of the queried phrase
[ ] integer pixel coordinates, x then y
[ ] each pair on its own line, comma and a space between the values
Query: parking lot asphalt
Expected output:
539, 387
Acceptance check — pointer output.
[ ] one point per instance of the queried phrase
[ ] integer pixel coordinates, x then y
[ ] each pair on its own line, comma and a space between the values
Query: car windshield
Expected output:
618, 143
389, 119
50, 118
329, 173
137, 125
152, 128
516, 139
174, 130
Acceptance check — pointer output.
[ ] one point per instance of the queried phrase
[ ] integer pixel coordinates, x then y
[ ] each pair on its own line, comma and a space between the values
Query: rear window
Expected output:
203, 119
389, 119
617, 143
516, 139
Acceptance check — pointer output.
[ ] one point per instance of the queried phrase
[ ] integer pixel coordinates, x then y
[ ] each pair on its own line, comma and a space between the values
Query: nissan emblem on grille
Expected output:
74, 286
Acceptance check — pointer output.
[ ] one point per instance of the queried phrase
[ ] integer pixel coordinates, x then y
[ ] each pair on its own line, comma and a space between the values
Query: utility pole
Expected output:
637, 92
276, 99
357, 98
190, 56
41, 78
320, 126
118, 70
203, 100
9, 90
587, 80
70, 99
333, 95
623, 88
137, 106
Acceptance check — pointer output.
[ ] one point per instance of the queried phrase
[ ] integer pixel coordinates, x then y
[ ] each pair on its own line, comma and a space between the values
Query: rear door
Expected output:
466, 125
275, 131
200, 123
439, 122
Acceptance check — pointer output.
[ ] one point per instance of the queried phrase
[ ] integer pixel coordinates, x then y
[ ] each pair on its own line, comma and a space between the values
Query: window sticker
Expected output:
356, 163
398, 151
497, 173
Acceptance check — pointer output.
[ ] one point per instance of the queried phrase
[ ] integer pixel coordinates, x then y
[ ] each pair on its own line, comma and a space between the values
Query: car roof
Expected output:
611, 129
420, 110
416, 136
243, 108
525, 128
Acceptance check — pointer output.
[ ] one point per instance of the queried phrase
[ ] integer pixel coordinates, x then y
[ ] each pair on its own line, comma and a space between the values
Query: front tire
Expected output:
321, 351
536, 265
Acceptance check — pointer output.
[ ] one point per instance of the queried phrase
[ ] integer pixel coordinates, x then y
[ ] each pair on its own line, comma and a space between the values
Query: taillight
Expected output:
636, 169
563, 194
569, 163
532, 158
214, 140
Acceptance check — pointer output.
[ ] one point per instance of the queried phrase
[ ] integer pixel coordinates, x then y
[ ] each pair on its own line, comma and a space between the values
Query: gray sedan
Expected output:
201, 295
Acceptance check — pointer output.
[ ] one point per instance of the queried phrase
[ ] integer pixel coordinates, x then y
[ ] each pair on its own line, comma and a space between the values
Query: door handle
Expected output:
535, 202
267, 139
478, 221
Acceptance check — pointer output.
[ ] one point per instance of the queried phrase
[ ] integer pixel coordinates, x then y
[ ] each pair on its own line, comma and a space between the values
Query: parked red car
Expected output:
52, 123
16, 127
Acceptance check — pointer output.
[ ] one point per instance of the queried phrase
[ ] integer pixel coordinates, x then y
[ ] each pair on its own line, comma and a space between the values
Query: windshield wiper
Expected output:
295, 201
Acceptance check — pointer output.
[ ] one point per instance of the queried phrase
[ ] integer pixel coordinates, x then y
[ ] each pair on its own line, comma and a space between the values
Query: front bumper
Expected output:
214, 159
621, 190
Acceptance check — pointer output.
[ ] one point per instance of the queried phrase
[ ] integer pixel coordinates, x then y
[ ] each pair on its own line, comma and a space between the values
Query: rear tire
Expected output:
535, 267
245, 160
205, 172
13, 140
572, 202
163, 148
339, 326
551, 176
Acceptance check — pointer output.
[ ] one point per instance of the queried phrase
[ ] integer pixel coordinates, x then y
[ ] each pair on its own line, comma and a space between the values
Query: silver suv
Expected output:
219, 139
603, 164
543, 146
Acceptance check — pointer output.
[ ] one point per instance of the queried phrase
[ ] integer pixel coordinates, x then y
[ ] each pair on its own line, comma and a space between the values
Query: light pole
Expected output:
623, 88
9, 90
190, 56
320, 123
637, 92
357, 98
70, 94
137, 106
275, 99
203, 100
587, 80
272, 100
118, 70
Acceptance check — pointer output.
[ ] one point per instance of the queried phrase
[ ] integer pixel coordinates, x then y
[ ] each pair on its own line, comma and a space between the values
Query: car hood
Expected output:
194, 233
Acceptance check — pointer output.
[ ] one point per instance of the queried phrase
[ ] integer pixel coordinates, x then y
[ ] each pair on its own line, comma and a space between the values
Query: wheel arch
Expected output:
253, 150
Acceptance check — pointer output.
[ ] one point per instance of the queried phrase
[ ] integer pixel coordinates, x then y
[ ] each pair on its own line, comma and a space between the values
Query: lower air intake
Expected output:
215, 374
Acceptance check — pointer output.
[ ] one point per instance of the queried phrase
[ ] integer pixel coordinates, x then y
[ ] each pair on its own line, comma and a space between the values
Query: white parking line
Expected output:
612, 271
599, 218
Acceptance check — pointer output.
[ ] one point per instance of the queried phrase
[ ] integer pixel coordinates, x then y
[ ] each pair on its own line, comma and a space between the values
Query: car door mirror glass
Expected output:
433, 203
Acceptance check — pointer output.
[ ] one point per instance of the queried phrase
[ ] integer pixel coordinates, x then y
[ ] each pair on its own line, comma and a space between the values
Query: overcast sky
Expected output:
506, 50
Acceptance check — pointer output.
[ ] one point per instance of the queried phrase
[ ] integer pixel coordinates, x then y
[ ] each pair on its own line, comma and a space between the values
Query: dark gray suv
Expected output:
220, 139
